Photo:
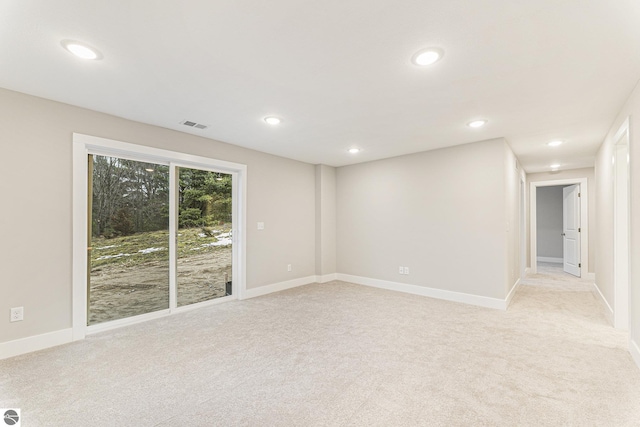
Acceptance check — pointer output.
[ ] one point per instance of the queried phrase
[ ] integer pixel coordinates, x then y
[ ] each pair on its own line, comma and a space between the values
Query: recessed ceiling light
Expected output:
81, 50
555, 143
428, 56
554, 167
354, 150
477, 123
272, 120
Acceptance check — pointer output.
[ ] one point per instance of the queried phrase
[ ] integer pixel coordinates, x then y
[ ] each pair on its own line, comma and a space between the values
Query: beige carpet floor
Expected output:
339, 354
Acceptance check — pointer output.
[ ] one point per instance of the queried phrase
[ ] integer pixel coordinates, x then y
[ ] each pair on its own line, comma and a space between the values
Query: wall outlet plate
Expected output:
17, 314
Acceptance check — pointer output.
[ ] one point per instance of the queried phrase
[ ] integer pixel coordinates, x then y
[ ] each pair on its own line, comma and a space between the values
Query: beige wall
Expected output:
604, 178
325, 220
604, 237
441, 213
36, 185
511, 226
589, 174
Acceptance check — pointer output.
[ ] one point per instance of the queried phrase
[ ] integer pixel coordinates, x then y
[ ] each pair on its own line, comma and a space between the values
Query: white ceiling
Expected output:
338, 72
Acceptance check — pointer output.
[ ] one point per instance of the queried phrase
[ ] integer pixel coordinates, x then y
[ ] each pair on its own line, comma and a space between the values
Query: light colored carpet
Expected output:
339, 354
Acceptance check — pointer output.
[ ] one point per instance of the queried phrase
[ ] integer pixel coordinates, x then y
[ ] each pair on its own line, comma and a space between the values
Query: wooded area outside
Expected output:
132, 197
129, 271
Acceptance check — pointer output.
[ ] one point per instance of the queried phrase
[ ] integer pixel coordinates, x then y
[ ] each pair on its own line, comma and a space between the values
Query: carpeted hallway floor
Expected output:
339, 354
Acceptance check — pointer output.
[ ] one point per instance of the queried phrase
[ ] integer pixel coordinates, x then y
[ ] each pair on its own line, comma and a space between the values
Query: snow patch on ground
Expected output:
106, 247
149, 250
120, 255
223, 239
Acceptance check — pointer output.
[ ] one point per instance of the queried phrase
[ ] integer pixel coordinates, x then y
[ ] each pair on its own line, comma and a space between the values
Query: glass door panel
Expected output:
129, 238
204, 237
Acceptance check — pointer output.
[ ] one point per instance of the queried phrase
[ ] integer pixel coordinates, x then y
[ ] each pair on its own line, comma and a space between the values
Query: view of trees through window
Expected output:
204, 235
129, 232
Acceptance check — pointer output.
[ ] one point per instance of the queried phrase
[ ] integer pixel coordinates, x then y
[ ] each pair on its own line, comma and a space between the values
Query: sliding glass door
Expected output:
204, 241
129, 246
131, 243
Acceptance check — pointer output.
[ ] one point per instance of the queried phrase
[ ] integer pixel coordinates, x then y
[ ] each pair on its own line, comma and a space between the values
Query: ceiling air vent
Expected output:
193, 124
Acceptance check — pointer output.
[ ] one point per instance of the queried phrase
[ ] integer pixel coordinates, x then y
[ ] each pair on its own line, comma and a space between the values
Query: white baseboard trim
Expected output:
512, 292
327, 278
477, 300
281, 286
35, 343
608, 310
635, 352
550, 259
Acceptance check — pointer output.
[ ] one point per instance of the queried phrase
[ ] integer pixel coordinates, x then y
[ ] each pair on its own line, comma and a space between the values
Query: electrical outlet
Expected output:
401, 270
261, 226
288, 267
406, 270
17, 314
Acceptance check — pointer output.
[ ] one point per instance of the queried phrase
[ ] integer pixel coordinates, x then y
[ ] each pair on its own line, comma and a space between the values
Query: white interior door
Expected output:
571, 229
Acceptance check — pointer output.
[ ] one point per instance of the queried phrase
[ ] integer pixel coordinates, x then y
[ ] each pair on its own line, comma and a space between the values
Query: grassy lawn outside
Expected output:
150, 247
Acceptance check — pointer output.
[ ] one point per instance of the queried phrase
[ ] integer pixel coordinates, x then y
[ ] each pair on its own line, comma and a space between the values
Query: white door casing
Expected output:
621, 215
571, 229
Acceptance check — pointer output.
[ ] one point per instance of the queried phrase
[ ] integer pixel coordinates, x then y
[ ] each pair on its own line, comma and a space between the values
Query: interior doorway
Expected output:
558, 227
580, 249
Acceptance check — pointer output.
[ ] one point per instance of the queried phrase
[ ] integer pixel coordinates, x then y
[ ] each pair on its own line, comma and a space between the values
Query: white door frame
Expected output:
83, 145
621, 218
523, 227
584, 221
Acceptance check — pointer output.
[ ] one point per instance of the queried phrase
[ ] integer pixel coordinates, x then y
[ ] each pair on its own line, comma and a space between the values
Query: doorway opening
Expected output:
571, 250
155, 232
558, 227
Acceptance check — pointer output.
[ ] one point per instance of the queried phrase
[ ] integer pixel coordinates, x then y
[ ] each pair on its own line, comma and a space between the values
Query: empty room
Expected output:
319, 214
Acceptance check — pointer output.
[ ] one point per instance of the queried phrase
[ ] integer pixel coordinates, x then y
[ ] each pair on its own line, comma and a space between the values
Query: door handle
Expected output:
562, 234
